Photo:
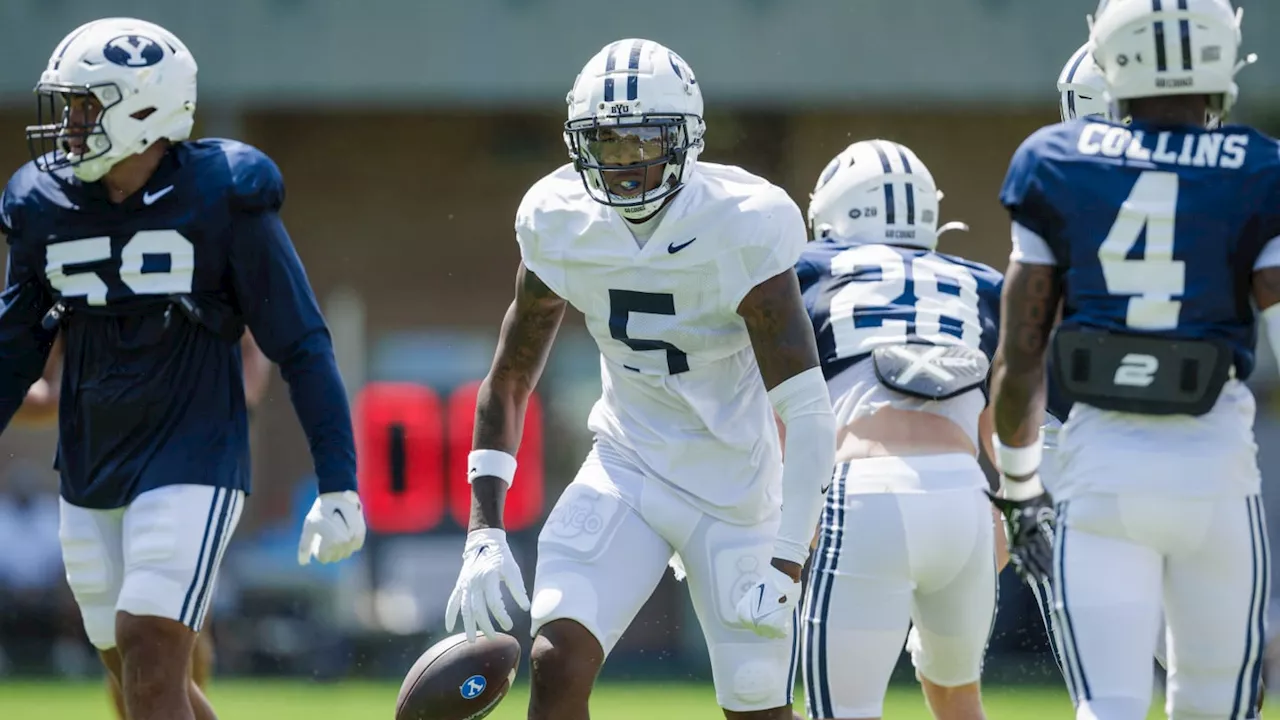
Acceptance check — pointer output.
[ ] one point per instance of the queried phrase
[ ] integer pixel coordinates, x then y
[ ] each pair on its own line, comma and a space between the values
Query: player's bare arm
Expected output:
1028, 307
780, 331
785, 349
1266, 287
528, 331
1028, 311
257, 370
41, 404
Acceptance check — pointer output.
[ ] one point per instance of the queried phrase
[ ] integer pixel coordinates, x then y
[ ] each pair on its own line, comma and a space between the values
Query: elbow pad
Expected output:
804, 405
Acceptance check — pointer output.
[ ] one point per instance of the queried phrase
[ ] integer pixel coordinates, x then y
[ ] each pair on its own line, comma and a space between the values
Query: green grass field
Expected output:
276, 700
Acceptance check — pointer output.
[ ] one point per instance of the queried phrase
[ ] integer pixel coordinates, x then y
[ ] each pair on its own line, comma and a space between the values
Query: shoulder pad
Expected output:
16, 194
256, 182
779, 224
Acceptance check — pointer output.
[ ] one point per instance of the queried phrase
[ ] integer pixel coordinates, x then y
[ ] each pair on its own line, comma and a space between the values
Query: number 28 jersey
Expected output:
682, 397
864, 295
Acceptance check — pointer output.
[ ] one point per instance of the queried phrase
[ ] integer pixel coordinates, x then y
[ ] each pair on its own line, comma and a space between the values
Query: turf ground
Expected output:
276, 700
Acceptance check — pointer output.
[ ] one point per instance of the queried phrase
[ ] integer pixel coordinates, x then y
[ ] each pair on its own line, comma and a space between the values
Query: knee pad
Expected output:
94, 573
174, 540
574, 562
750, 677
567, 595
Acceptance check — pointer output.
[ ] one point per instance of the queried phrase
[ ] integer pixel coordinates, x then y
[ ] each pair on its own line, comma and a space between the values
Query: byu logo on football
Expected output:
472, 687
133, 51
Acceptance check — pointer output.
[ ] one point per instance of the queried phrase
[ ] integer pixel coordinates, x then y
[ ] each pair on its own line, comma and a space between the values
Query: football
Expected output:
457, 680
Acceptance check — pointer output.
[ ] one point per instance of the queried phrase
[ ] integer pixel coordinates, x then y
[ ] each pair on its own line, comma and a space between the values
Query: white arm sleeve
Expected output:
1030, 248
804, 405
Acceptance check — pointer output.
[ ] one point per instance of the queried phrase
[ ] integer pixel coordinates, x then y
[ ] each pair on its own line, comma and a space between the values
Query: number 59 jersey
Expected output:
682, 395
862, 295
1157, 232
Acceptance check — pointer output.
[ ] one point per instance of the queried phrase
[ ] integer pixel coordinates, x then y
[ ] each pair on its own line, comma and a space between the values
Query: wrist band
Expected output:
491, 463
1019, 461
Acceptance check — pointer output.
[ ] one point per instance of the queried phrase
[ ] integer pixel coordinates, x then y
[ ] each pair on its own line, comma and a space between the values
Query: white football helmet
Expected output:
877, 191
635, 105
143, 76
1148, 48
1083, 88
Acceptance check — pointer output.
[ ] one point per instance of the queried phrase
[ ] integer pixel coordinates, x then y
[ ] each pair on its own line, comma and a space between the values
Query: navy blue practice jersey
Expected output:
1154, 231
150, 396
862, 295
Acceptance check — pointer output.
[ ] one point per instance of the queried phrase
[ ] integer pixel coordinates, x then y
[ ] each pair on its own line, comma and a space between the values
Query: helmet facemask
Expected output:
631, 163
64, 134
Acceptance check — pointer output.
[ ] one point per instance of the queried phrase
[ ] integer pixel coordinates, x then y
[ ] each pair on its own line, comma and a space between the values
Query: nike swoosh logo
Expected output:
825, 488
760, 600
148, 198
673, 248
338, 512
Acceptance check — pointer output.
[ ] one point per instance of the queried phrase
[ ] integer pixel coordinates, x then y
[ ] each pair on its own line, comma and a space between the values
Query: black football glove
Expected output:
1031, 525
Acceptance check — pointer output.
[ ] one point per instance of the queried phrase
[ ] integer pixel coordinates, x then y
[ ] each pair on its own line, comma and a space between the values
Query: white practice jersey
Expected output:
682, 394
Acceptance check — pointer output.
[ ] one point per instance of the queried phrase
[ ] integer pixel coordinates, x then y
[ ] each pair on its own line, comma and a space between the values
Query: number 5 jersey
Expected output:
682, 394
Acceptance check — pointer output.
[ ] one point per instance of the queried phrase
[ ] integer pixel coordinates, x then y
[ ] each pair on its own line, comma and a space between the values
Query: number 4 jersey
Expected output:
682, 394
1154, 231
150, 395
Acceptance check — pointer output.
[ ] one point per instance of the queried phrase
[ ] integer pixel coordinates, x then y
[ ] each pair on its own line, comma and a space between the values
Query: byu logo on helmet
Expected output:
133, 51
473, 686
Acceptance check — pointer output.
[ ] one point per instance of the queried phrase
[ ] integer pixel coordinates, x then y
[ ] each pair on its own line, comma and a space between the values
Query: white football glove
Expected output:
334, 529
768, 607
487, 564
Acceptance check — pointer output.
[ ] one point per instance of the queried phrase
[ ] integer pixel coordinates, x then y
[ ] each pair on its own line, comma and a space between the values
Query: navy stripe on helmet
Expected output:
910, 187
889, 208
1071, 78
609, 65
62, 50
902, 153
1184, 29
1162, 63
633, 65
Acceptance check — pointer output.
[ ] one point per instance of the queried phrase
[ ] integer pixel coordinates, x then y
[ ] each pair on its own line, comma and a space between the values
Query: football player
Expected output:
1083, 94
1158, 239
905, 335
685, 272
148, 253
41, 406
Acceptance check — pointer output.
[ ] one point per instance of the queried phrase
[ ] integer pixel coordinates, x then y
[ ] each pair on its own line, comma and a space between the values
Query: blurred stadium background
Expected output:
407, 131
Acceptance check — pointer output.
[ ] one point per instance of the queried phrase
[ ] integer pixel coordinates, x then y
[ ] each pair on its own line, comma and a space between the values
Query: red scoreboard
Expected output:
411, 459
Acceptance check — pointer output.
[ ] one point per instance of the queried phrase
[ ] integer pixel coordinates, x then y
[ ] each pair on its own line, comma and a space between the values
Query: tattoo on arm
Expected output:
1266, 287
780, 330
1028, 311
524, 342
